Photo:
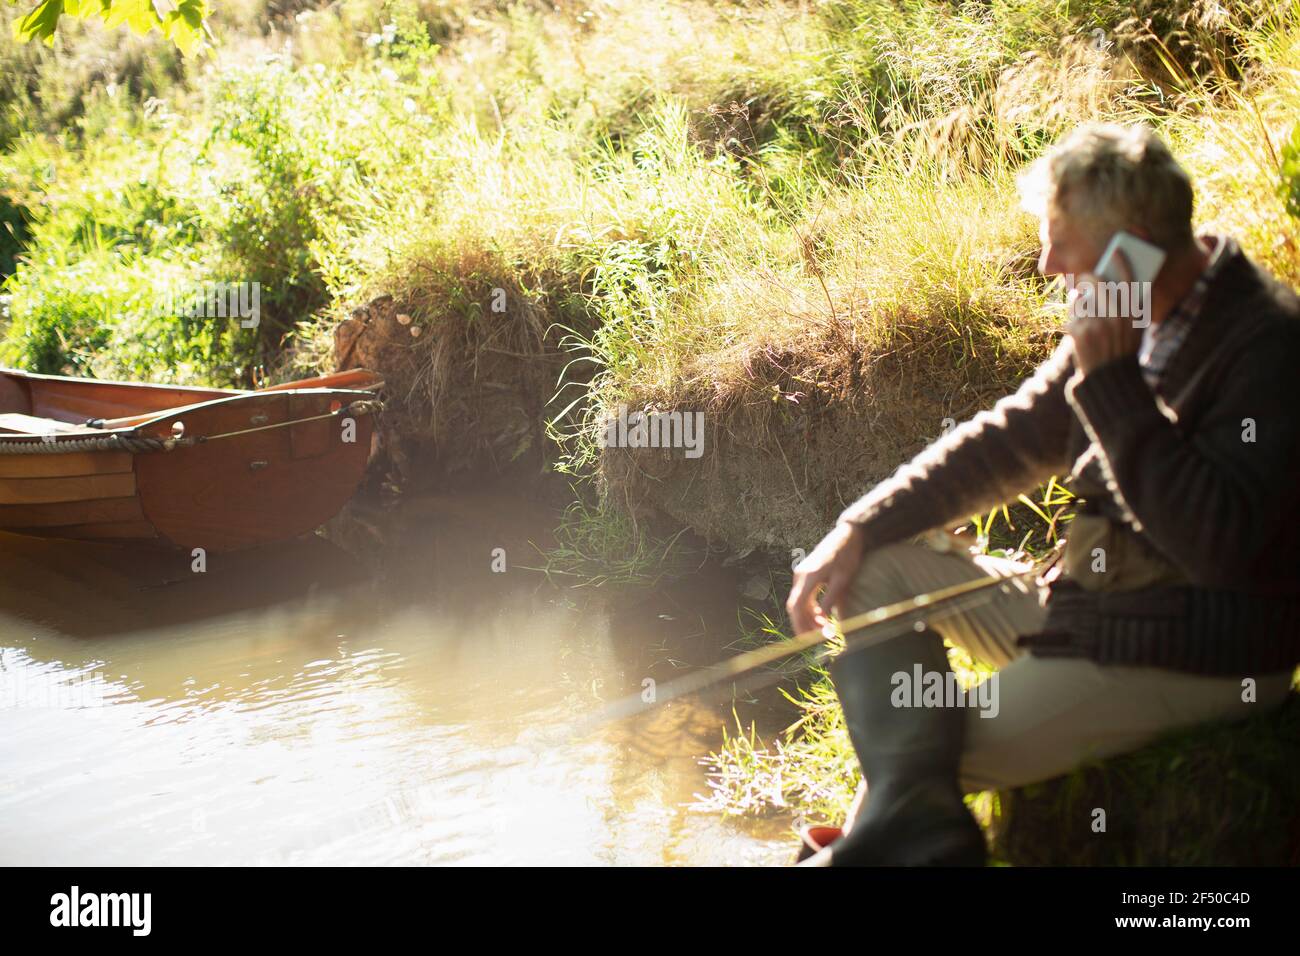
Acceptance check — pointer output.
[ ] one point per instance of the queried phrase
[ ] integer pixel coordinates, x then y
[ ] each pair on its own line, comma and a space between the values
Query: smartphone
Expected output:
1144, 260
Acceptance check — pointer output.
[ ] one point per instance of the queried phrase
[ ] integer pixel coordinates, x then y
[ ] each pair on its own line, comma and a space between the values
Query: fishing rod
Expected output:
912, 611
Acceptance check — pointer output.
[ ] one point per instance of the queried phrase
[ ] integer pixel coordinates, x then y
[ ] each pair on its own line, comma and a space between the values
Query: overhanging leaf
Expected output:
40, 23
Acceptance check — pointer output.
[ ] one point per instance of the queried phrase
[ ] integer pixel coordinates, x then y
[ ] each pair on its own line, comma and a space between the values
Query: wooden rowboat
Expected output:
217, 469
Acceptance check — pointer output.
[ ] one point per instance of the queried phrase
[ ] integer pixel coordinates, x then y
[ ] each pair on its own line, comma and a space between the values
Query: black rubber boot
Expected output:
914, 813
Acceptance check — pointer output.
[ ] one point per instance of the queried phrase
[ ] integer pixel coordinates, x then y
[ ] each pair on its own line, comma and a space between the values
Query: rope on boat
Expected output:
135, 444
138, 444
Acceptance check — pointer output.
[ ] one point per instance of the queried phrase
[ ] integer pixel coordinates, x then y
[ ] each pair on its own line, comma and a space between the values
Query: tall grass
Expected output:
600, 546
683, 188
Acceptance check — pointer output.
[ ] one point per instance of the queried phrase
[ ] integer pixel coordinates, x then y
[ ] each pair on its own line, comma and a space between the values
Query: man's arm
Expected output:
1210, 501
1020, 442
1000, 453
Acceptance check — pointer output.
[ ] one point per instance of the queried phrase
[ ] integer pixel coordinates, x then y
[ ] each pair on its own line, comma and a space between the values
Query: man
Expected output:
1178, 599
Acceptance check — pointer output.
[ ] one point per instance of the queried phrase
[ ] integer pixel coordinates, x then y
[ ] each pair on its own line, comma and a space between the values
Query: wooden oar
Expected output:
358, 378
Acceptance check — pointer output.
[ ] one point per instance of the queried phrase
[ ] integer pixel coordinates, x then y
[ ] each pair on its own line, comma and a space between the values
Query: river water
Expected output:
313, 705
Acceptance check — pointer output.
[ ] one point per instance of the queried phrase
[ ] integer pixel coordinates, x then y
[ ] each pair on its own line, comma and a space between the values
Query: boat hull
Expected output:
248, 469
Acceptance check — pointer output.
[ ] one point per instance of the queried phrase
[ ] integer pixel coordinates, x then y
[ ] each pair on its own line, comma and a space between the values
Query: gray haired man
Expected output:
1178, 601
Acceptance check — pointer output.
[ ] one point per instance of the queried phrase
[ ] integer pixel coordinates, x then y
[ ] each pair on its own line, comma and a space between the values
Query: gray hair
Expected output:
1108, 177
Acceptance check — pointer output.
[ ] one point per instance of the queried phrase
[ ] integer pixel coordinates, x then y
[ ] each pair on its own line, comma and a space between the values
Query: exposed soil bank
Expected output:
777, 481
770, 474
464, 398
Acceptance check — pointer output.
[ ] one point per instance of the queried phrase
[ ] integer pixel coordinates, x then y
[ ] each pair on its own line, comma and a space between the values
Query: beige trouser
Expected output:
1052, 713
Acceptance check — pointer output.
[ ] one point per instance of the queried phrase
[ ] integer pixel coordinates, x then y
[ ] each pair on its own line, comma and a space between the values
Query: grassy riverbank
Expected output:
797, 218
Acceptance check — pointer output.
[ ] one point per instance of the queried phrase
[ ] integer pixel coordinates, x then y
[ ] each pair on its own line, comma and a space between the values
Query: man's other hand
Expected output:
831, 565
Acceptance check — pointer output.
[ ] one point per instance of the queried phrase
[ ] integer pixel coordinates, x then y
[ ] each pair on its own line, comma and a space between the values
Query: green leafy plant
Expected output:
1289, 188
180, 21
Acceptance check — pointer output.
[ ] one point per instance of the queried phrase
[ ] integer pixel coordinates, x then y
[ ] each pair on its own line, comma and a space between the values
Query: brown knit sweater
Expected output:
1205, 480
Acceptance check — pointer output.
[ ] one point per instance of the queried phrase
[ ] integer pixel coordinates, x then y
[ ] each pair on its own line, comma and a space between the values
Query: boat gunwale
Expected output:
40, 376
134, 431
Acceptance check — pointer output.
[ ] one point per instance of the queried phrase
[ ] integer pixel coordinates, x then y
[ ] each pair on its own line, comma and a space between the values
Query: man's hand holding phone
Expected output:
1100, 338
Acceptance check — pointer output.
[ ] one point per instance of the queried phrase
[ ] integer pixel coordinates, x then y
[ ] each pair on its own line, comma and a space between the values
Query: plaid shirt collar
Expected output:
1160, 341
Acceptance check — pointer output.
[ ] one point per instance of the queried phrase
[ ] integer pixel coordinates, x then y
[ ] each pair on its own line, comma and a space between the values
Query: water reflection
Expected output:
301, 704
